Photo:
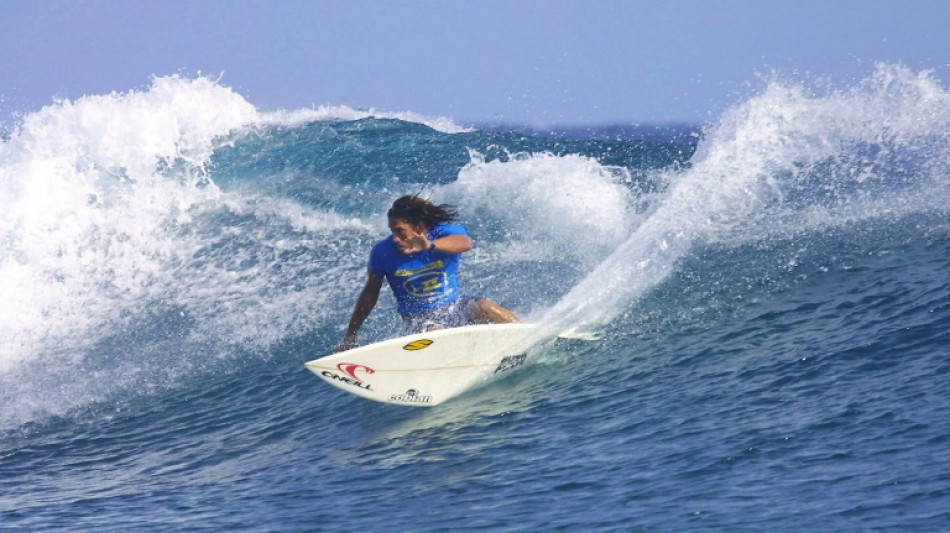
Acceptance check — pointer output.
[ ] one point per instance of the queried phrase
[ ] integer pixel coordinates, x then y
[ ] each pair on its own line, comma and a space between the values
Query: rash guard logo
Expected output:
425, 281
425, 284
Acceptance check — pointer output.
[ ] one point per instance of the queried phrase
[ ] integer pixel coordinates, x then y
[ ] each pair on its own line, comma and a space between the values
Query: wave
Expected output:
154, 237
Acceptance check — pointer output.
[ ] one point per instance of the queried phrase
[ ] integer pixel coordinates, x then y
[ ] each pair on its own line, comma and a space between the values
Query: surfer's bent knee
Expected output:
485, 311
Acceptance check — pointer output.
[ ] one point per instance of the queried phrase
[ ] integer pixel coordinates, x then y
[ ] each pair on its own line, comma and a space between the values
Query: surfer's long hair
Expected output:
414, 209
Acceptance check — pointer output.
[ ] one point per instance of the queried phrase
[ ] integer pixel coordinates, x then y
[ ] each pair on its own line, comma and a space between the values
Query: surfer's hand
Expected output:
347, 344
419, 242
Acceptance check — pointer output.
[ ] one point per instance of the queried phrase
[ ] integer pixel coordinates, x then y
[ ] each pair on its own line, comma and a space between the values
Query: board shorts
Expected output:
456, 314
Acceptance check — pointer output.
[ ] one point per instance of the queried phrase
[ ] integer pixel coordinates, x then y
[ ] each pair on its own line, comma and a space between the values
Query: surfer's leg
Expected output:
485, 311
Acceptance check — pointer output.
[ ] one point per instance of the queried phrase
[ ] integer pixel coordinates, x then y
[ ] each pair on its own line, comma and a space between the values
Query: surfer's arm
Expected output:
365, 303
452, 244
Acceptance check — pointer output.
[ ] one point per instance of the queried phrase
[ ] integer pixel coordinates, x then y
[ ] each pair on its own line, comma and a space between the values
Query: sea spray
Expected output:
770, 166
568, 206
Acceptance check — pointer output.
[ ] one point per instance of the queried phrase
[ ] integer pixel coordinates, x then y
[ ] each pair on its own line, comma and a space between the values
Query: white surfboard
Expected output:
427, 369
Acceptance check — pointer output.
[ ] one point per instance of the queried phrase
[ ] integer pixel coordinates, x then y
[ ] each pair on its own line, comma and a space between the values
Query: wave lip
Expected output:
344, 113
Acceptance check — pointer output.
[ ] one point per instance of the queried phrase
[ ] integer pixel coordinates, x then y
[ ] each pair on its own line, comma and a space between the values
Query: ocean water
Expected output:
770, 290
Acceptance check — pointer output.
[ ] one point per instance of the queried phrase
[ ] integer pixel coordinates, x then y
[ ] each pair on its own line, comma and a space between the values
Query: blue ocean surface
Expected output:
770, 291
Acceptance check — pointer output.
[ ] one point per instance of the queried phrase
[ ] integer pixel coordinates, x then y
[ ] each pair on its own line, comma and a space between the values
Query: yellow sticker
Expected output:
417, 345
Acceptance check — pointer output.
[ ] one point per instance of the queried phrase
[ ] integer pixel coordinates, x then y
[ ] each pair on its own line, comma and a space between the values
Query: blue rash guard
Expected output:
421, 281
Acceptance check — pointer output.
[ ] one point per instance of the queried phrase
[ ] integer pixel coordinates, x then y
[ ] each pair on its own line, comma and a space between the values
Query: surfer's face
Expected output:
404, 233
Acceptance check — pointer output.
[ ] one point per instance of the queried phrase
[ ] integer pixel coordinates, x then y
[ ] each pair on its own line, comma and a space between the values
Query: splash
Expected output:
86, 189
786, 160
585, 215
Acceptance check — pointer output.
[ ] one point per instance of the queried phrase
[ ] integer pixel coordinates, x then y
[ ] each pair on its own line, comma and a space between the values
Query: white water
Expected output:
85, 205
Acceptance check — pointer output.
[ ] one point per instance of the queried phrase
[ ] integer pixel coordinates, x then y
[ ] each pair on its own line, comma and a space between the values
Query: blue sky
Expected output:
531, 61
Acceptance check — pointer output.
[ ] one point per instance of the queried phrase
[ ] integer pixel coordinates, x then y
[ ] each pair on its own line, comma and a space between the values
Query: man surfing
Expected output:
420, 260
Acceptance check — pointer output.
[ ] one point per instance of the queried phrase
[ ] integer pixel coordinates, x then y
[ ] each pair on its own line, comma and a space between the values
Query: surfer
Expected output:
420, 261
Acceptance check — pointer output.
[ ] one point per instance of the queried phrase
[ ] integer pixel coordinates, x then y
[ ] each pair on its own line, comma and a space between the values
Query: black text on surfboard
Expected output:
347, 380
511, 361
410, 396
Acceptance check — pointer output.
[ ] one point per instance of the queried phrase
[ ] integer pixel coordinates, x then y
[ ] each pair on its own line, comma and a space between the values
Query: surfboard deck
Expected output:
426, 369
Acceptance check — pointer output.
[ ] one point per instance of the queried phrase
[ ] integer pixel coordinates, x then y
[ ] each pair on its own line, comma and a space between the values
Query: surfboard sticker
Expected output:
427, 369
420, 344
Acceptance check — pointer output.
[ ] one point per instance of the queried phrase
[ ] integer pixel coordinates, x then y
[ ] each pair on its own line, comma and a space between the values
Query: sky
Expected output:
531, 62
